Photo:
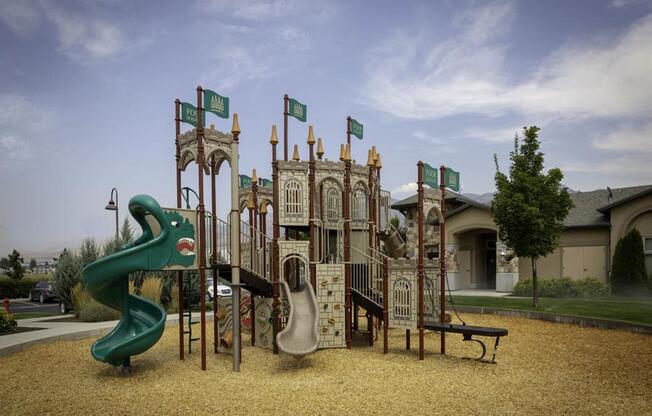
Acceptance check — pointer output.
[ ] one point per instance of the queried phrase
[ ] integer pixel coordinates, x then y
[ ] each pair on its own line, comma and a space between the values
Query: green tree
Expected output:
67, 274
14, 265
628, 273
88, 252
396, 222
126, 233
110, 246
530, 206
32, 265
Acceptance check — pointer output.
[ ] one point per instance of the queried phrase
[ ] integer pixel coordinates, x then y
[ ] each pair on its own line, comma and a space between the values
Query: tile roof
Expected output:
590, 208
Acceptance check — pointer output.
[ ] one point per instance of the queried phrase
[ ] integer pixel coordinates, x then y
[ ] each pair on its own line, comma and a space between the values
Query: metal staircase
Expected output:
367, 280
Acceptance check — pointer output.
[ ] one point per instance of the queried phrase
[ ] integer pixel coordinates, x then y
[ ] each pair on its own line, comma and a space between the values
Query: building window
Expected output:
333, 213
402, 299
293, 198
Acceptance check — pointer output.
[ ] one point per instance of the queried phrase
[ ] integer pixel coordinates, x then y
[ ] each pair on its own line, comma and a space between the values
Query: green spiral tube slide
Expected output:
107, 280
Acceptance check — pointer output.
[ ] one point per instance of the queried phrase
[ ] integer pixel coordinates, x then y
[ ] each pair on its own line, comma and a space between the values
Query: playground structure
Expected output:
339, 252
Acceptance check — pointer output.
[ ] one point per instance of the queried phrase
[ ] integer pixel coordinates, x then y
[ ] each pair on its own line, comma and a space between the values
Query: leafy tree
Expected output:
67, 274
4, 263
88, 252
530, 206
110, 246
32, 265
628, 273
14, 265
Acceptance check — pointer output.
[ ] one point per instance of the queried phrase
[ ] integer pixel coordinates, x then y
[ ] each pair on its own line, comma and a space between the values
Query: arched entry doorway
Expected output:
294, 271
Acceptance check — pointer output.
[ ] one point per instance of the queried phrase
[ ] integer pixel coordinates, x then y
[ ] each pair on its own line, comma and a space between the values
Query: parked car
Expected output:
223, 291
43, 292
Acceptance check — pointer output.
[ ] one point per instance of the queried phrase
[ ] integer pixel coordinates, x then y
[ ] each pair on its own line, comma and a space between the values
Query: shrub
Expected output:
88, 309
628, 273
173, 304
7, 322
563, 288
591, 288
10, 288
151, 289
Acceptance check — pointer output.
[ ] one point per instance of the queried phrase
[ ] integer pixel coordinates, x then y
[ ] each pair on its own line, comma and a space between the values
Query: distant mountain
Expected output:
481, 198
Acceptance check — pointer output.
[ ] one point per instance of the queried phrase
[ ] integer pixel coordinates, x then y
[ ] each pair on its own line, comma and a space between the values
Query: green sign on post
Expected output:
430, 176
356, 129
297, 110
216, 104
452, 180
245, 181
189, 114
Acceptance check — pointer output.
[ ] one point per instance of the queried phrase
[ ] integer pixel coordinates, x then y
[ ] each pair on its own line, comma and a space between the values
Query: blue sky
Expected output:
88, 87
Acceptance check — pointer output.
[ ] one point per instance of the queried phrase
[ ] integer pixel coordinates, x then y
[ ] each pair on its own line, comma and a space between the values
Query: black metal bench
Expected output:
468, 331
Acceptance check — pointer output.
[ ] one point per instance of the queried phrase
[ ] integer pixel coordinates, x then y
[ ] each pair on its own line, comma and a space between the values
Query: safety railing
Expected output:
254, 256
367, 275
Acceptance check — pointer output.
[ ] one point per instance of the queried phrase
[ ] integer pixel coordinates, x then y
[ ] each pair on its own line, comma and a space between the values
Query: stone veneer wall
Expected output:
431, 236
506, 268
330, 297
406, 270
286, 248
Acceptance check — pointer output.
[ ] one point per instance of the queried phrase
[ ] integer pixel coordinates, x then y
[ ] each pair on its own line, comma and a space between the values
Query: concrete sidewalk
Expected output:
479, 292
55, 331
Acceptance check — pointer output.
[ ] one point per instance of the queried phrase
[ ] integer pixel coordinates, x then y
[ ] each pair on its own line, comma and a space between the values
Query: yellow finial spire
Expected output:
342, 152
236, 126
347, 155
379, 164
250, 201
370, 158
320, 148
254, 178
263, 209
373, 150
274, 138
311, 135
295, 156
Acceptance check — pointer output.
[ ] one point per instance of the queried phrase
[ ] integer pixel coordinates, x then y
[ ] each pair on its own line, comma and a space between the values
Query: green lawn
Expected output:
623, 309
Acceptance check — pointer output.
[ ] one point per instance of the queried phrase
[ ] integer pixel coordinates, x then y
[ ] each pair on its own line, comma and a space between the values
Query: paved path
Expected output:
479, 292
52, 331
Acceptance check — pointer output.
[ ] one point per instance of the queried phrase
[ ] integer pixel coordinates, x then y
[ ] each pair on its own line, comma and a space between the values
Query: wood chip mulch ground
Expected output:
543, 369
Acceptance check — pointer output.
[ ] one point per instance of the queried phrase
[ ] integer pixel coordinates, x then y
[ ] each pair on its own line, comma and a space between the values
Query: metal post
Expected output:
347, 245
348, 130
235, 243
286, 103
311, 209
177, 158
420, 271
385, 307
275, 236
442, 256
214, 249
202, 229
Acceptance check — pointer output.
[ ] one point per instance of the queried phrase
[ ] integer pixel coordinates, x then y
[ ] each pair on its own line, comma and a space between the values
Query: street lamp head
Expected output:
111, 206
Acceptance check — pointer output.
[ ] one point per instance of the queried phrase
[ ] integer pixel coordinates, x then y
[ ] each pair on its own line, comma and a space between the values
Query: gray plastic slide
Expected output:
301, 334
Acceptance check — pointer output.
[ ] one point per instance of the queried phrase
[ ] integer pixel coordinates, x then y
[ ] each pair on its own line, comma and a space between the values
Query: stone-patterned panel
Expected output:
287, 248
295, 171
402, 272
331, 297
264, 322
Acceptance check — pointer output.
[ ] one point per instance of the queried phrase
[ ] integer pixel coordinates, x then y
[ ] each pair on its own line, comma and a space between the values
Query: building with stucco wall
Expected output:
478, 260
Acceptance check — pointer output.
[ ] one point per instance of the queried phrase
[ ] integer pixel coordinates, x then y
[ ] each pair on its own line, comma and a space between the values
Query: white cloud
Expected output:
81, 38
261, 10
622, 166
628, 138
22, 125
465, 73
295, 38
422, 135
21, 16
235, 65
501, 135
407, 188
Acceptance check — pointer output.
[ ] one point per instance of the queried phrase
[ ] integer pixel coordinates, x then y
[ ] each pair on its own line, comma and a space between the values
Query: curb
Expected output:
103, 329
582, 321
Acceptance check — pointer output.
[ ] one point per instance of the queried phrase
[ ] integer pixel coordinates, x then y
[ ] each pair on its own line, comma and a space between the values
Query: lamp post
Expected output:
113, 206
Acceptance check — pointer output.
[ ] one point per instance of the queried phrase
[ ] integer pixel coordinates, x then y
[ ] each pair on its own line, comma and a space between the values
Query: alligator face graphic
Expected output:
182, 235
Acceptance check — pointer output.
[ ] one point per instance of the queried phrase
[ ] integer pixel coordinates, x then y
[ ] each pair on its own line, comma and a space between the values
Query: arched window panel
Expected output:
402, 299
359, 208
333, 205
293, 198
